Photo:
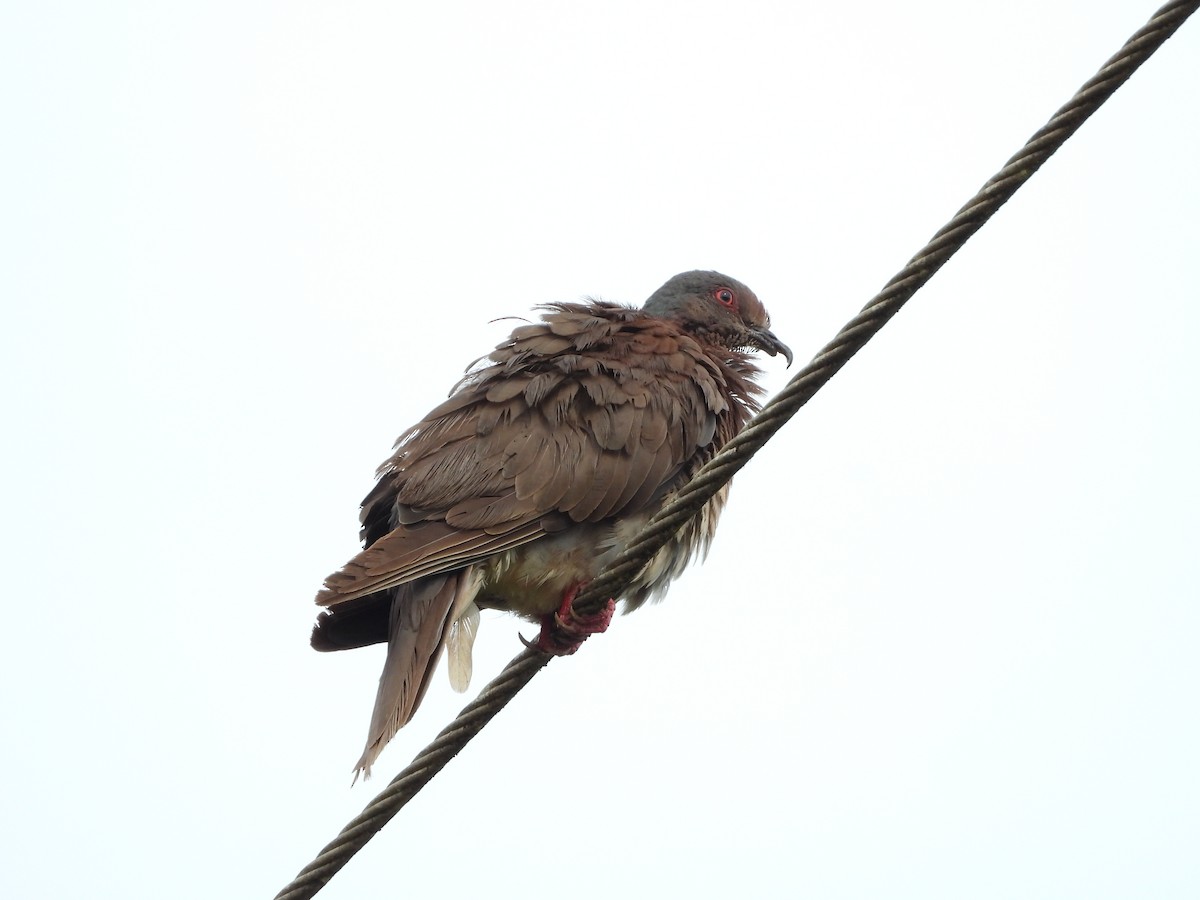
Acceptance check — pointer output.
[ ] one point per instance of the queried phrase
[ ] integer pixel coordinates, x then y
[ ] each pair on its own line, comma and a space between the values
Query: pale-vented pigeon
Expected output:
540, 467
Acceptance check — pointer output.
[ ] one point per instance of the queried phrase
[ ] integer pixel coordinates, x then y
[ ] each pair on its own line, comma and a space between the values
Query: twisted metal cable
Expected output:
737, 452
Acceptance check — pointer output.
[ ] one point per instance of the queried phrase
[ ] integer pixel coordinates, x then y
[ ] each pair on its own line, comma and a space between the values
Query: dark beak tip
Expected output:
773, 346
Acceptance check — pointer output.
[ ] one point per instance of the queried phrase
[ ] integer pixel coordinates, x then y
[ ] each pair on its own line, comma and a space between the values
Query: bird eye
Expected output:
724, 297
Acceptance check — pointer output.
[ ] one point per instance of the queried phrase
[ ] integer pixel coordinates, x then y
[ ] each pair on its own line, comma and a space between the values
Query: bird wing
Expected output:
589, 414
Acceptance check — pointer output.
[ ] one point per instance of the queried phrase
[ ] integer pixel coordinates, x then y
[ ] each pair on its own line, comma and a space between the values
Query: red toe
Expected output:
565, 631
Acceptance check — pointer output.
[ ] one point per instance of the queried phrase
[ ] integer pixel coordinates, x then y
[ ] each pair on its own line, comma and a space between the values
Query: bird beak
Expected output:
766, 341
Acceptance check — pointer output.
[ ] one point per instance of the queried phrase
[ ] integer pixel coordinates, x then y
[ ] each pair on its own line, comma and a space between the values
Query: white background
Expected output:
946, 643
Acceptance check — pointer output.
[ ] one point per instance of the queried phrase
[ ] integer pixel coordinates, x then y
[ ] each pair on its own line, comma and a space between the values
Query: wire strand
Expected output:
738, 451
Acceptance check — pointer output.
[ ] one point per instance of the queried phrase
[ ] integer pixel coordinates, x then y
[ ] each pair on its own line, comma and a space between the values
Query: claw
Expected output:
564, 632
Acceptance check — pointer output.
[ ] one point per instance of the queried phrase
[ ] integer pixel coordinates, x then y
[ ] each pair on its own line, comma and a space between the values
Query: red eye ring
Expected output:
725, 297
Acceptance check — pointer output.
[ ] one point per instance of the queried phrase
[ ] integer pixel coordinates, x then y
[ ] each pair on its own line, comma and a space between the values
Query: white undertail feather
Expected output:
464, 625
459, 645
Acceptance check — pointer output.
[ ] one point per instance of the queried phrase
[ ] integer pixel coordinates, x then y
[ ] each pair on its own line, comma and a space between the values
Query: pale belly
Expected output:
532, 580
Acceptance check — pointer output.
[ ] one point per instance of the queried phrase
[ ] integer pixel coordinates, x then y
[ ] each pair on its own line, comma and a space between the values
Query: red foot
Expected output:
565, 631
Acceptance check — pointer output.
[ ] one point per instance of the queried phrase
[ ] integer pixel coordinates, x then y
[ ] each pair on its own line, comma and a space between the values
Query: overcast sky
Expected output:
945, 644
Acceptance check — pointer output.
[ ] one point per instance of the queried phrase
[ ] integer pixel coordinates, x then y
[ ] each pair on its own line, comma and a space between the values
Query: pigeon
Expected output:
547, 459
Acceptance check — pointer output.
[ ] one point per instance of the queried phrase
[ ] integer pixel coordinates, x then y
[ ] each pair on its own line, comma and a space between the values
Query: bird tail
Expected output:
422, 614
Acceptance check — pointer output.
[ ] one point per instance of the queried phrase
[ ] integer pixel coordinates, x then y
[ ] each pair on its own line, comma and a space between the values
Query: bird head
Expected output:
717, 309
